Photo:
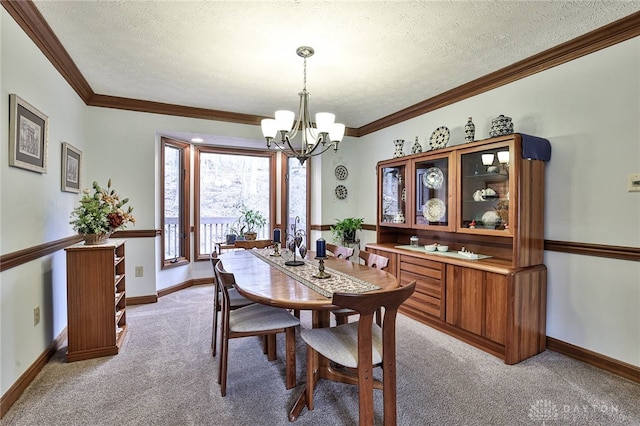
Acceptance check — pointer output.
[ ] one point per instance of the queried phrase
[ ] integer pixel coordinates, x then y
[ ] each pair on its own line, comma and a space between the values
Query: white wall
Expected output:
34, 210
589, 110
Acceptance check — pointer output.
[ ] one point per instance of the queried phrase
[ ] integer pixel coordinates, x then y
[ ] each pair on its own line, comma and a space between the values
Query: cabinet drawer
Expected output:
424, 285
428, 268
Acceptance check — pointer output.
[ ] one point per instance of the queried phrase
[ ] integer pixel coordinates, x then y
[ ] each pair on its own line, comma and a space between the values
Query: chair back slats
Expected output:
225, 281
367, 303
213, 258
373, 260
340, 252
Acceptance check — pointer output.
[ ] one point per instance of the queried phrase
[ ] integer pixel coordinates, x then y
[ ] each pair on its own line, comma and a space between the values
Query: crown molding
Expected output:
28, 17
616, 32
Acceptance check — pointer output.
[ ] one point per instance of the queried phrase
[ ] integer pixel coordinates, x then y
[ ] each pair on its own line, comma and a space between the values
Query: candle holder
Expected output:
276, 250
321, 273
294, 244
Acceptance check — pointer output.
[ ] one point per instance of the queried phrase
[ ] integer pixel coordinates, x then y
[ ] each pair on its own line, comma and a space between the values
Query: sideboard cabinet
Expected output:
96, 299
485, 201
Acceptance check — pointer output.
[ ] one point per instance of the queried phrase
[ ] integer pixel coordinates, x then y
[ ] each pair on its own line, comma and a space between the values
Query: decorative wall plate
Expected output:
439, 137
341, 192
341, 172
434, 210
433, 178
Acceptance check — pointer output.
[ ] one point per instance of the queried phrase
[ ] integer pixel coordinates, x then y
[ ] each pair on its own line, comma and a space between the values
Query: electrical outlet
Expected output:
633, 182
36, 316
139, 271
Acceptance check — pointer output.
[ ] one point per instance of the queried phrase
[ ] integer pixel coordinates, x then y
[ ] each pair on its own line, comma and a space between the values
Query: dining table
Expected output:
265, 278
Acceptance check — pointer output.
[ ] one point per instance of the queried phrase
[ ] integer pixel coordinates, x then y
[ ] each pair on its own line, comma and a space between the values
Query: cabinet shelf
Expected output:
493, 176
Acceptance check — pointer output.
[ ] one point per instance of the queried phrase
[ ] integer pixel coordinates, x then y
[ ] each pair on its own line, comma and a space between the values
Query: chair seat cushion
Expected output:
258, 317
340, 344
236, 299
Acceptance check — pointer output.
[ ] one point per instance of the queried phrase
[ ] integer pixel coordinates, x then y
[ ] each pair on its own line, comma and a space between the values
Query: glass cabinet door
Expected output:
394, 195
484, 191
432, 193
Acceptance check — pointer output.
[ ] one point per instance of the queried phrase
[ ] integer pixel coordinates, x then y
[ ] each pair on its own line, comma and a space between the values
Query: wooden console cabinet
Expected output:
485, 197
96, 300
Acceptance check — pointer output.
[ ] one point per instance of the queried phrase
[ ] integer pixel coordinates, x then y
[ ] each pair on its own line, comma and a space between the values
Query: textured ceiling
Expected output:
373, 58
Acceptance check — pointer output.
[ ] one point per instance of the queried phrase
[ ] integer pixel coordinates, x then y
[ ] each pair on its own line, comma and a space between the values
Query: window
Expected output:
297, 196
225, 180
175, 202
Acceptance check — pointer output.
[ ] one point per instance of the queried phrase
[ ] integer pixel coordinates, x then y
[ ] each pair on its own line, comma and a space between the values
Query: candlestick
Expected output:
295, 241
321, 273
321, 248
276, 235
276, 250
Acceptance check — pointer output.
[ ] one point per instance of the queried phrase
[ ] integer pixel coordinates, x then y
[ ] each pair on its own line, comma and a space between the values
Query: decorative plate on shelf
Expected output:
434, 210
439, 137
341, 192
433, 178
341, 172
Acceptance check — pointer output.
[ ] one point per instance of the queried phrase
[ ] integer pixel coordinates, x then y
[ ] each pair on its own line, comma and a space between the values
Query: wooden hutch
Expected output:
486, 198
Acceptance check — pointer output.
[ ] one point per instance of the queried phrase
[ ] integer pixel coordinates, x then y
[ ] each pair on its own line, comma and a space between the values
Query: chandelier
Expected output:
315, 139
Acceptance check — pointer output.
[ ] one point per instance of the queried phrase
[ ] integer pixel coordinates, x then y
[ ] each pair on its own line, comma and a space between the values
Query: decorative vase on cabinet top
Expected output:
416, 148
469, 131
399, 144
501, 125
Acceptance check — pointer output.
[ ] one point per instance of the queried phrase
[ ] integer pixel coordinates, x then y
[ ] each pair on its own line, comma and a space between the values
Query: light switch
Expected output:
633, 182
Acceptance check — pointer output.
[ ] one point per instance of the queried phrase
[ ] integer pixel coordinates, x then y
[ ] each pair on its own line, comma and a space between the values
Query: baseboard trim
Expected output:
603, 362
16, 390
142, 300
174, 288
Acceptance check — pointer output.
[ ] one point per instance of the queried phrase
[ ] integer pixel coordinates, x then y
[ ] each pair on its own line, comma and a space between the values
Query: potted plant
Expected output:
344, 231
100, 214
249, 222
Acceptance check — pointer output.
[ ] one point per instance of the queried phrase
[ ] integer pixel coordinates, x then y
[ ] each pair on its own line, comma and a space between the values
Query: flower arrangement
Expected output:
101, 213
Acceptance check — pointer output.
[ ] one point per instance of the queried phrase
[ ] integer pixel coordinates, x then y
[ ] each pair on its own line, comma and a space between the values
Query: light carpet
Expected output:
165, 375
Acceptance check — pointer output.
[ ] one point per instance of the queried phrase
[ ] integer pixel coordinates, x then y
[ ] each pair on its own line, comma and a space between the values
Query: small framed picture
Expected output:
28, 136
71, 168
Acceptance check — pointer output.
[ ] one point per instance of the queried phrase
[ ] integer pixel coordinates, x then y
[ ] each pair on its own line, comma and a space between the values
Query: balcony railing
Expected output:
212, 230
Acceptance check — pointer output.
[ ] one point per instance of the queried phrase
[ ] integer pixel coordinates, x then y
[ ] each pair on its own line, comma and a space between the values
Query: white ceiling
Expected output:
373, 58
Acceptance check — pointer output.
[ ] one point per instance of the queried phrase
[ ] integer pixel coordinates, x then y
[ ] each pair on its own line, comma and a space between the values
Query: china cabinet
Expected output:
485, 201
96, 299
392, 181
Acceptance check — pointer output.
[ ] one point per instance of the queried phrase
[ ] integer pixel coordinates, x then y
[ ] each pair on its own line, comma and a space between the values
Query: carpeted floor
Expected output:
165, 375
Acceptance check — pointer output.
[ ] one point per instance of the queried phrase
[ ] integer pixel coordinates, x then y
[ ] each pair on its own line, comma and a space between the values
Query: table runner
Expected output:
339, 282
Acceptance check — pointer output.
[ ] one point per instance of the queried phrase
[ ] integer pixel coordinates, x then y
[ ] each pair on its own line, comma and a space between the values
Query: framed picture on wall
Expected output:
71, 168
28, 136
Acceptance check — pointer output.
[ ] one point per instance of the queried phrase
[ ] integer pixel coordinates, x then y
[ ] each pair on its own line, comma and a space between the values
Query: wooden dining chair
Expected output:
254, 320
361, 345
236, 301
375, 261
340, 252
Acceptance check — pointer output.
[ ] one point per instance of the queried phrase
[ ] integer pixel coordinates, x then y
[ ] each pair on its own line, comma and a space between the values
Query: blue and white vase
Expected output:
399, 144
416, 148
469, 131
